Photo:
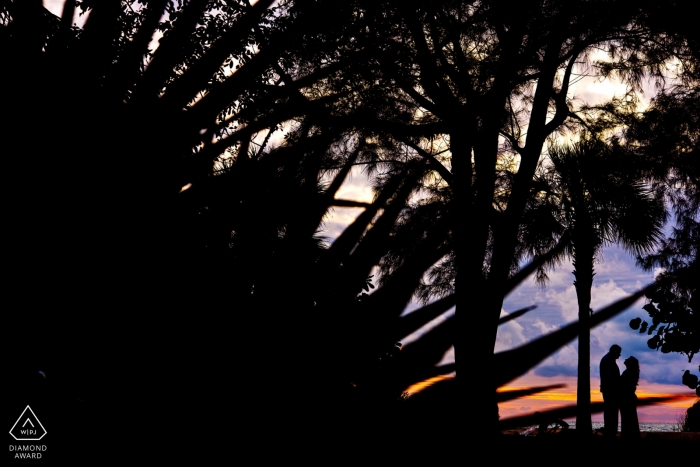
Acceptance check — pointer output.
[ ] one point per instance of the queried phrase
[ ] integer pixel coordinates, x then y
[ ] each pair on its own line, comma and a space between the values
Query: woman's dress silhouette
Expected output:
628, 399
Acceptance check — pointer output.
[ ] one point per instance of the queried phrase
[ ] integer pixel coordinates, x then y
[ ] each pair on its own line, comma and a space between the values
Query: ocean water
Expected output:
642, 426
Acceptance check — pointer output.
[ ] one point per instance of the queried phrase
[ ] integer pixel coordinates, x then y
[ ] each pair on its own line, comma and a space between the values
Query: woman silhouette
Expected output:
628, 399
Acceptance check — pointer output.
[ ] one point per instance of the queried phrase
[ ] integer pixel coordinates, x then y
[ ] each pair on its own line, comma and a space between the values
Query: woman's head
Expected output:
632, 362
632, 365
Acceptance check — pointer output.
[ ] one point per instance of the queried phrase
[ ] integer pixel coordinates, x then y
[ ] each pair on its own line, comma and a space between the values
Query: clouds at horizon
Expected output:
616, 276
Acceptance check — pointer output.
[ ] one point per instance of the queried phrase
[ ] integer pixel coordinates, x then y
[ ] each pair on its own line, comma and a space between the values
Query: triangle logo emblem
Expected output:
28, 427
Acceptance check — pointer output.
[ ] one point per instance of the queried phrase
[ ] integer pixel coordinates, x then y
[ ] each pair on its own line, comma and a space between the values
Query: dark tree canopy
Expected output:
667, 134
172, 203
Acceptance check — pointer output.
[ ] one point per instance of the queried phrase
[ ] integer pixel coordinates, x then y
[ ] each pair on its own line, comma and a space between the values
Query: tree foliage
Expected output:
667, 134
590, 196
192, 227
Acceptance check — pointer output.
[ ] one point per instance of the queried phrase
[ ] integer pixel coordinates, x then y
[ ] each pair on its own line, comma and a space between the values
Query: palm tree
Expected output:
594, 197
162, 291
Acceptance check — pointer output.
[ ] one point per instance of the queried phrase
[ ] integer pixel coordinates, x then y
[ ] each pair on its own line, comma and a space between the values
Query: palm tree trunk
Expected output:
584, 253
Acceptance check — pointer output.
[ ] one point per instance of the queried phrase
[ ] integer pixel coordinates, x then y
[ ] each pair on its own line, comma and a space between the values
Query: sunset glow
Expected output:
418, 387
665, 412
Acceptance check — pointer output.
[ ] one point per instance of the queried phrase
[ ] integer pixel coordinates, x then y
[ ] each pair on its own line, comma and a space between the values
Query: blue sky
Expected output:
616, 276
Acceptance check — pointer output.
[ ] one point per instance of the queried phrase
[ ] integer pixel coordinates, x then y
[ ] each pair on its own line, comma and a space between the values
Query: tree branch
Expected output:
433, 83
563, 110
439, 168
513, 142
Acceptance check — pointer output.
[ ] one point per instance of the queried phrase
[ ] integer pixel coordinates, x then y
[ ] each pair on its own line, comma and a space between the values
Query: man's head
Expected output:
616, 351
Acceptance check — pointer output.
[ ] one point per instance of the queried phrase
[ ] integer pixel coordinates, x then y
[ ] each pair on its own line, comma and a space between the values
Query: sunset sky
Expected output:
616, 277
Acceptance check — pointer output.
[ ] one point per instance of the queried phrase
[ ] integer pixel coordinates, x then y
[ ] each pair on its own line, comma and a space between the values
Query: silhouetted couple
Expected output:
619, 394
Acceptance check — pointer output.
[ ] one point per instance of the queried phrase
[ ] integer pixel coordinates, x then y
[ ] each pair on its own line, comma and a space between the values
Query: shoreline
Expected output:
644, 435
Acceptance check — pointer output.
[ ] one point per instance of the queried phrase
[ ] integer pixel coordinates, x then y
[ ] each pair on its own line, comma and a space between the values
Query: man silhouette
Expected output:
609, 387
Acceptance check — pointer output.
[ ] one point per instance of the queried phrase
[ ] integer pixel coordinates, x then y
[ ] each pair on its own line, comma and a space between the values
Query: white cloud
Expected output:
613, 264
510, 335
565, 300
563, 362
589, 88
356, 187
543, 327
602, 295
337, 220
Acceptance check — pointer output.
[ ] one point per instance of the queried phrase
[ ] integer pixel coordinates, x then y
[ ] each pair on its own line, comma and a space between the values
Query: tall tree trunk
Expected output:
584, 252
473, 365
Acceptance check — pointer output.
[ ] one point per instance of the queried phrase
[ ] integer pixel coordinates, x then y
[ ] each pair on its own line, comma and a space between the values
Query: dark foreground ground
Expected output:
438, 448
669, 448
